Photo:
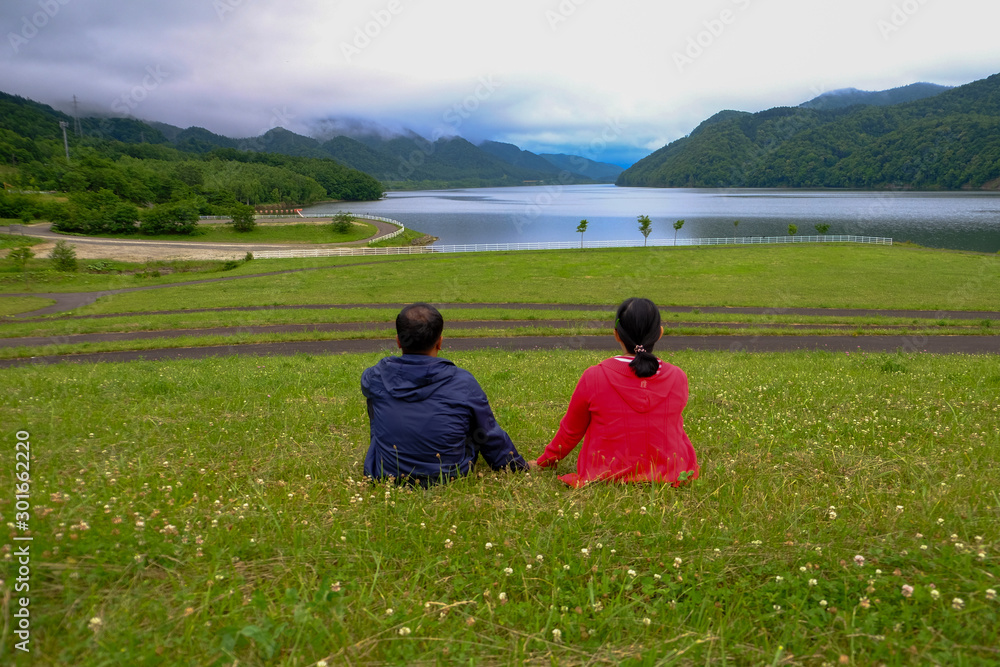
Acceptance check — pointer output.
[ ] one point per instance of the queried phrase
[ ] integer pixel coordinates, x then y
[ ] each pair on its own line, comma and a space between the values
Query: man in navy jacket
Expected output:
429, 419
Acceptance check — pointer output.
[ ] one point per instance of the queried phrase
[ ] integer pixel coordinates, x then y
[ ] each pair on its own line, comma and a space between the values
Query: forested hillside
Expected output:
944, 142
121, 172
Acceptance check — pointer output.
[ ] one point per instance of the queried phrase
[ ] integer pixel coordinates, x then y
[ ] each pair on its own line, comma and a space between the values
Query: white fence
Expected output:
565, 245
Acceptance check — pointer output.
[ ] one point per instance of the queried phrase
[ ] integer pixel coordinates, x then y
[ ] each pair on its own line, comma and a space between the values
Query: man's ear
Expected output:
398, 344
439, 343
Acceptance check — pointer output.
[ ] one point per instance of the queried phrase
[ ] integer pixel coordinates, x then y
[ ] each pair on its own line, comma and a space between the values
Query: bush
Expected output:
242, 216
63, 257
175, 218
342, 223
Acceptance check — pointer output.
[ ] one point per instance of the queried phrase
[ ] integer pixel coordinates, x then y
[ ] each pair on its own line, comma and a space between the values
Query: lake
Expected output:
958, 220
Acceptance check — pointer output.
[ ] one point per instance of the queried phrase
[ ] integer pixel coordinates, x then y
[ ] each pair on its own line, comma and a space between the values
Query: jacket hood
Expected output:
641, 394
411, 377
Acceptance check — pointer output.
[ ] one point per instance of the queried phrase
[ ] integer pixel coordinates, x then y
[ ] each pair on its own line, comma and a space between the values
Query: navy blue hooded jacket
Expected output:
429, 420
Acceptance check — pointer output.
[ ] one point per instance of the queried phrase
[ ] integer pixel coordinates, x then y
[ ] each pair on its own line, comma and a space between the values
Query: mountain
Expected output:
513, 155
944, 142
601, 172
846, 97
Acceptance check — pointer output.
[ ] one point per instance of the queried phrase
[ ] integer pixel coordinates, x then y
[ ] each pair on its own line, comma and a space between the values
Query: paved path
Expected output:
932, 344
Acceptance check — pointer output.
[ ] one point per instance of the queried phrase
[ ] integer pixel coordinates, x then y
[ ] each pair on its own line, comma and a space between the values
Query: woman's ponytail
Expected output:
638, 326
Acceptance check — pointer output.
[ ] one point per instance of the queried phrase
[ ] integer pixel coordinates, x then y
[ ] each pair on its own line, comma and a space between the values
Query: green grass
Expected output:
213, 511
264, 233
11, 305
772, 277
8, 241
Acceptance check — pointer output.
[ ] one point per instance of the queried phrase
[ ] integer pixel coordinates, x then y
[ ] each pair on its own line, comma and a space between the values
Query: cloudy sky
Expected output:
609, 79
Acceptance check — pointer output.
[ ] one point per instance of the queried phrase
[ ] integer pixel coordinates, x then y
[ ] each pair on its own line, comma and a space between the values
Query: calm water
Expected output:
965, 221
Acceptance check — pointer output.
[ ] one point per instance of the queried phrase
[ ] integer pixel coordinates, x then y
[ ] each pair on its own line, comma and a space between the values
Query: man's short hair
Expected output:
418, 326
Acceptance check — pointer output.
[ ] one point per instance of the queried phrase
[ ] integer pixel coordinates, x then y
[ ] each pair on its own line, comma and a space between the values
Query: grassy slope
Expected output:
212, 513
775, 277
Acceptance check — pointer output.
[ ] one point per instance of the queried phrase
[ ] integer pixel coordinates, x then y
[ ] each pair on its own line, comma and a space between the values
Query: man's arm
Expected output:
489, 440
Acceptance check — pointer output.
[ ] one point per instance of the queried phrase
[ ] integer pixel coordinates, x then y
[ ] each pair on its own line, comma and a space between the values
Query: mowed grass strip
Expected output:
833, 276
214, 511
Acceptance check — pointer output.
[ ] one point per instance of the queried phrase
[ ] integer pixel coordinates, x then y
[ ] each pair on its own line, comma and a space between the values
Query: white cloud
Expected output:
565, 68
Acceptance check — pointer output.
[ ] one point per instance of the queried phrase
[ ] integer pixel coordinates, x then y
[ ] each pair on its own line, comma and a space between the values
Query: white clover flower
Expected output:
677, 562
390, 611
489, 545
935, 593
779, 579
539, 558
813, 582
823, 603
503, 596
631, 573
566, 566
95, 623
557, 635
646, 621
958, 603
991, 594
585, 551
657, 577
508, 571
403, 631
907, 591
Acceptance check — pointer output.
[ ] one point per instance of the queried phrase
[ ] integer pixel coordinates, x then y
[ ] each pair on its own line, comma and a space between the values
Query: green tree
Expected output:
20, 256
645, 228
677, 228
63, 257
242, 218
793, 230
736, 225
823, 228
342, 222
581, 228
175, 218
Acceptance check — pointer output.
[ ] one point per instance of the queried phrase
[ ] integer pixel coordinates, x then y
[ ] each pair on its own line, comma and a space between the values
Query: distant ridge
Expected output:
846, 97
945, 140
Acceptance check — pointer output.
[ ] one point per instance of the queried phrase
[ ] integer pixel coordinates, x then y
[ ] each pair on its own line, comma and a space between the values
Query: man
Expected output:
429, 419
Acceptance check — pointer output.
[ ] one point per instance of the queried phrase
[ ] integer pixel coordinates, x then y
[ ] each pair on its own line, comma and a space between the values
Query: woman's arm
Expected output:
573, 425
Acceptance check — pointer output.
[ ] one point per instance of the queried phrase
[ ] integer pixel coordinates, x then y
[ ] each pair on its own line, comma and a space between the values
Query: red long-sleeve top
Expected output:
632, 427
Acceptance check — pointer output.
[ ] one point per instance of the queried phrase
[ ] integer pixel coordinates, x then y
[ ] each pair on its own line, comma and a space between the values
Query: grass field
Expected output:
215, 513
263, 233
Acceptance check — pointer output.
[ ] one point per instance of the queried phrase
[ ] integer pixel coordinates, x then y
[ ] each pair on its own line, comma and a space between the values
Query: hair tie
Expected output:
639, 348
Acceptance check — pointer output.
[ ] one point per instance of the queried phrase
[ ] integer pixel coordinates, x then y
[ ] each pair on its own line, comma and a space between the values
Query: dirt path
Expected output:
141, 250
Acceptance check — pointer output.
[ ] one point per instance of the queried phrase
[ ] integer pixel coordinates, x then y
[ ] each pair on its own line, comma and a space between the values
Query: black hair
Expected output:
638, 325
418, 326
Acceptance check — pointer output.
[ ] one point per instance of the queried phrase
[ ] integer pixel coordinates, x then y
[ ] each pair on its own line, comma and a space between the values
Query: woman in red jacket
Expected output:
628, 411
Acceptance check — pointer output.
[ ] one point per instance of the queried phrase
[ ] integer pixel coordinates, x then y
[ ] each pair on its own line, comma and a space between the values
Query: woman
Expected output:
630, 408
